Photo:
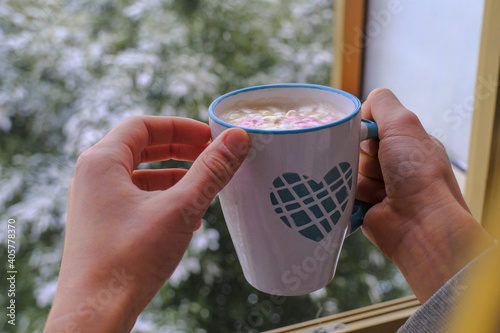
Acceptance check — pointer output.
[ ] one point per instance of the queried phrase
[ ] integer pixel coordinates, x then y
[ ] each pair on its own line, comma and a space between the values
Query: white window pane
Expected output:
426, 52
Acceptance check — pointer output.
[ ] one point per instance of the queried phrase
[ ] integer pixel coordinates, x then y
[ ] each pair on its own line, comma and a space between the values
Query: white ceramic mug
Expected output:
291, 204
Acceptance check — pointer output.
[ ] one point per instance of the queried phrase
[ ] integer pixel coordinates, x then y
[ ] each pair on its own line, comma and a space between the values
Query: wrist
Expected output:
434, 249
100, 303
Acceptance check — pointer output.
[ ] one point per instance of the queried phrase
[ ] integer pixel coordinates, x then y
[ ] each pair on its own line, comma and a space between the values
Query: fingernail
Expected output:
363, 145
238, 142
367, 148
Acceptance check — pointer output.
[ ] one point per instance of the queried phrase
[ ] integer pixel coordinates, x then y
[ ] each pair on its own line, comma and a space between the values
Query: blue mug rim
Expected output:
354, 99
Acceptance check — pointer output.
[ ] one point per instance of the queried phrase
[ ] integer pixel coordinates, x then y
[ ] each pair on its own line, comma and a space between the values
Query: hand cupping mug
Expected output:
291, 204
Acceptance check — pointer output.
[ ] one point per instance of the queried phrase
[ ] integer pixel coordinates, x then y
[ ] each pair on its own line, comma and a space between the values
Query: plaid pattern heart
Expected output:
309, 207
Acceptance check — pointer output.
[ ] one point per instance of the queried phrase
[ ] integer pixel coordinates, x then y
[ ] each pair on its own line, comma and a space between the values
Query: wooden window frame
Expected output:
385, 317
348, 45
482, 188
482, 183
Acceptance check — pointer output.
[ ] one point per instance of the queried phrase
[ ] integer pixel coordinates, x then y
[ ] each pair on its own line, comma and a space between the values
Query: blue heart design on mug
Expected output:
309, 207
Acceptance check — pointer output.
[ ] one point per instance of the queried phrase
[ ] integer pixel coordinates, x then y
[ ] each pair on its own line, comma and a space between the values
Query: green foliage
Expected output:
71, 70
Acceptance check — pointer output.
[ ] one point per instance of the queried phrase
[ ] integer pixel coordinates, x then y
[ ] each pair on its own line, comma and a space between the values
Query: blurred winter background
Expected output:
70, 70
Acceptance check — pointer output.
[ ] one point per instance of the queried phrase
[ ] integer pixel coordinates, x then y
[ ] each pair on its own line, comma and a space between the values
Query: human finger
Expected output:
181, 152
369, 147
370, 190
157, 180
211, 171
124, 144
392, 118
369, 166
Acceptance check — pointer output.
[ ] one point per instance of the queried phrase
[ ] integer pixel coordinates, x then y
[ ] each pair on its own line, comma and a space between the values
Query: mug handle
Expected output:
369, 130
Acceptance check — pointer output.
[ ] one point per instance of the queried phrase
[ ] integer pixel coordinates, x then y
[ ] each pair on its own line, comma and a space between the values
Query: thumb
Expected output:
211, 171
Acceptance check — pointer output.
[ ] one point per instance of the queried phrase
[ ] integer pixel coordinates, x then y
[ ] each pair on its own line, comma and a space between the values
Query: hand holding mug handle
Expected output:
419, 220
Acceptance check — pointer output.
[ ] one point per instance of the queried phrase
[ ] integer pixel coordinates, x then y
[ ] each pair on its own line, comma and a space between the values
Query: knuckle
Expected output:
135, 119
90, 159
443, 166
410, 119
378, 92
434, 161
86, 157
438, 143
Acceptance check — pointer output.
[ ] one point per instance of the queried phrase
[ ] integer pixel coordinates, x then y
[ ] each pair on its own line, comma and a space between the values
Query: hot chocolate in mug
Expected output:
291, 204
